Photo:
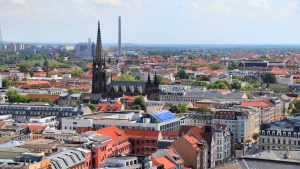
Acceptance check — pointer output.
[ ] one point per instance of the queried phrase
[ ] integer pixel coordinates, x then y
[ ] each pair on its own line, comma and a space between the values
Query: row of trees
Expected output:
13, 97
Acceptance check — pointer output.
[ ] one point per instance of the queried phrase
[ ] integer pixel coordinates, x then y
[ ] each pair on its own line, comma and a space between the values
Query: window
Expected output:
283, 141
268, 141
153, 149
127, 163
274, 141
263, 140
147, 141
278, 141
138, 142
153, 141
142, 142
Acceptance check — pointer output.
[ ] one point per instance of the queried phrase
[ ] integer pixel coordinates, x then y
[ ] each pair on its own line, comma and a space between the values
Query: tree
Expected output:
91, 106
117, 60
159, 79
233, 65
183, 108
202, 109
125, 77
45, 63
205, 78
269, 77
222, 86
248, 87
197, 83
79, 102
130, 73
46, 99
77, 72
137, 77
139, 100
249, 95
22, 67
31, 73
137, 107
165, 83
255, 137
256, 84
177, 78
241, 78
236, 85
87, 69
182, 74
109, 60
5, 83
73, 91
174, 109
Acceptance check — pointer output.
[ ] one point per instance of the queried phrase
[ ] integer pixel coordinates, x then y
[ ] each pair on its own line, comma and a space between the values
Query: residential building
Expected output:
191, 150
121, 162
186, 81
154, 106
240, 73
285, 79
23, 112
237, 121
143, 142
167, 158
198, 119
66, 99
59, 135
84, 49
264, 110
221, 77
16, 46
71, 158
35, 132
281, 134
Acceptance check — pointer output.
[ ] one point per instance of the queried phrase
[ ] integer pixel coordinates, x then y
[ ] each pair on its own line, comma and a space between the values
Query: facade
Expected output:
286, 79
154, 106
23, 112
281, 134
16, 46
84, 49
237, 121
198, 119
191, 150
59, 135
186, 81
240, 73
172, 92
66, 99
143, 142
222, 145
221, 77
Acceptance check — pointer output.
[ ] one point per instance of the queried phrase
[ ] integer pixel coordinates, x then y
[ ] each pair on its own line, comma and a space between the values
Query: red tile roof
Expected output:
109, 107
32, 128
221, 70
255, 104
2, 124
163, 160
142, 134
116, 134
192, 140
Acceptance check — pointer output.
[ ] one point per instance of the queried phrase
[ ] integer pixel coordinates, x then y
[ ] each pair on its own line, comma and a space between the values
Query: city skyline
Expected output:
152, 21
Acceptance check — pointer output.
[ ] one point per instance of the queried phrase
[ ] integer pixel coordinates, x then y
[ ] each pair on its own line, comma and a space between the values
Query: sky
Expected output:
152, 21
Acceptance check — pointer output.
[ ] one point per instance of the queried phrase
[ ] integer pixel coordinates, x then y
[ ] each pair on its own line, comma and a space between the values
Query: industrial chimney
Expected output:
119, 45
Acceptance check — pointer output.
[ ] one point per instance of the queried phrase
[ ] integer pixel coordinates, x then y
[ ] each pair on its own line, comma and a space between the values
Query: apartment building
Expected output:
154, 106
172, 92
222, 145
237, 121
66, 99
198, 119
16, 46
59, 135
264, 110
23, 112
281, 134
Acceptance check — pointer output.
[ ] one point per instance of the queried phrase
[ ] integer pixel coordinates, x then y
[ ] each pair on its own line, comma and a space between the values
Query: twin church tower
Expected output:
119, 88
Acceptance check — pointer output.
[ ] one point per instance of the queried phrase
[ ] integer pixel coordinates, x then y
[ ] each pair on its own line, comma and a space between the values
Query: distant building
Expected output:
27, 51
84, 49
16, 46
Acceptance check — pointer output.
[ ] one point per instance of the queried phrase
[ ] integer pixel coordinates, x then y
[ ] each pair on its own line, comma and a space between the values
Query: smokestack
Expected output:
119, 35
5, 55
47, 71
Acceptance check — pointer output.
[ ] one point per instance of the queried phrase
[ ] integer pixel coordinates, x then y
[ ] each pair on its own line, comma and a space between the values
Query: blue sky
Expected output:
152, 21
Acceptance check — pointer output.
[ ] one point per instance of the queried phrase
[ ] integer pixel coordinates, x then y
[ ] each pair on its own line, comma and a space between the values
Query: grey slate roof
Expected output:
214, 95
66, 158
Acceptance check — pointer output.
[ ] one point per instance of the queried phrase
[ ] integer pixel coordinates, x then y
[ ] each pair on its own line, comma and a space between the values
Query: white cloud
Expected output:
165, 5
220, 9
195, 5
258, 4
184, 5
21, 2
294, 5
111, 2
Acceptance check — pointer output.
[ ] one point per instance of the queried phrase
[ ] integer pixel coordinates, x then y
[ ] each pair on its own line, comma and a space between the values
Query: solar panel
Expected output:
163, 115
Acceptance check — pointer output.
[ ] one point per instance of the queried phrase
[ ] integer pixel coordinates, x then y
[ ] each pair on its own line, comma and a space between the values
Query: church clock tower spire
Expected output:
99, 71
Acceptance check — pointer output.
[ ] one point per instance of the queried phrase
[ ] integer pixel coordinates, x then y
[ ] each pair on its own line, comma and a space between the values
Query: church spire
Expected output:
99, 52
155, 78
149, 80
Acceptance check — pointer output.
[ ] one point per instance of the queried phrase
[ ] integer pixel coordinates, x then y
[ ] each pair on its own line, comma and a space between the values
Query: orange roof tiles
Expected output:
112, 131
255, 104
223, 91
32, 128
109, 107
163, 160
209, 72
142, 134
221, 70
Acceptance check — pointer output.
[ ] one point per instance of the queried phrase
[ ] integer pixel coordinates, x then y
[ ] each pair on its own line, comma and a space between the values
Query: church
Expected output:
119, 88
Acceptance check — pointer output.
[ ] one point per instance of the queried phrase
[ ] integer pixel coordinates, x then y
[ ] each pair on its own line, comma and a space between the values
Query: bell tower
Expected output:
99, 71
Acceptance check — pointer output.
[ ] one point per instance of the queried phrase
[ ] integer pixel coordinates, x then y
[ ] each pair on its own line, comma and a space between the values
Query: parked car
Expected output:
250, 146
256, 148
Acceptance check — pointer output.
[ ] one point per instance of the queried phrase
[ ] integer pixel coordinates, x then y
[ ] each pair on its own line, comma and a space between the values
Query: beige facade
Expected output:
198, 119
16, 46
154, 106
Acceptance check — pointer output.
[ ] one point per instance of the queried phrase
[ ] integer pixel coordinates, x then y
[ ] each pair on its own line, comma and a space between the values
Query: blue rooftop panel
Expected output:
163, 115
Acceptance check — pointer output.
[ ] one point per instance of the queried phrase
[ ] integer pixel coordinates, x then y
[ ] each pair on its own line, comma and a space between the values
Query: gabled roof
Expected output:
109, 107
192, 140
255, 104
173, 153
142, 134
116, 134
163, 161
184, 129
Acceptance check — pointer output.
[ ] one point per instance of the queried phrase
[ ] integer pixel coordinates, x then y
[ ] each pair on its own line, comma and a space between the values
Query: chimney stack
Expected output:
119, 45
